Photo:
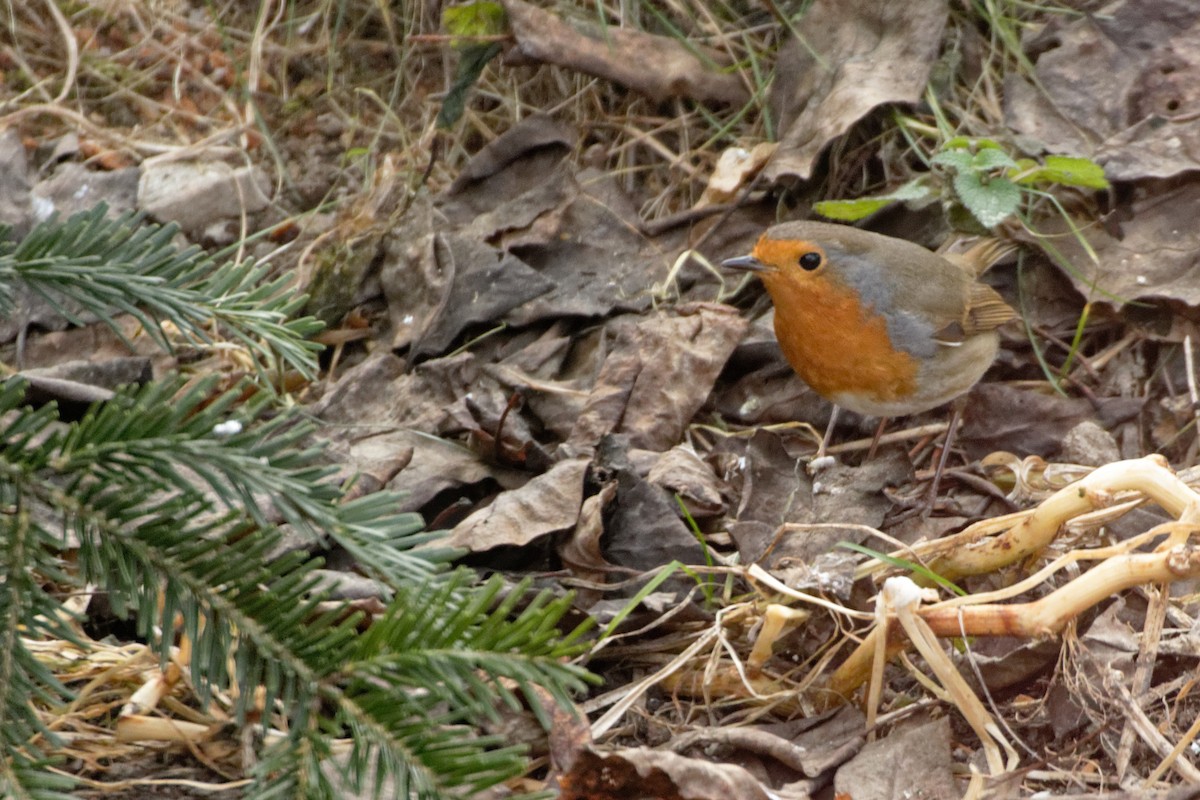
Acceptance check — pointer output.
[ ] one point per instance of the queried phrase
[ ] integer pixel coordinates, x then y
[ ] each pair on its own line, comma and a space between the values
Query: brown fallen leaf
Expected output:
579, 232
547, 504
778, 495
581, 552
682, 472
999, 417
853, 55
1151, 254
379, 391
643, 528
658, 375
434, 295
434, 466
593, 250
532, 133
1119, 87
912, 762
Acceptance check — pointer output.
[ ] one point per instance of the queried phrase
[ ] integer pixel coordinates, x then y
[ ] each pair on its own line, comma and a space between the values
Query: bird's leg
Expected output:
883, 421
821, 459
955, 417
822, 451
923, 503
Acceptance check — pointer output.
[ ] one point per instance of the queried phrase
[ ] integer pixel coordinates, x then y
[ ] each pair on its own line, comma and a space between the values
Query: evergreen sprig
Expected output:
414, 688
95, 265
179, 516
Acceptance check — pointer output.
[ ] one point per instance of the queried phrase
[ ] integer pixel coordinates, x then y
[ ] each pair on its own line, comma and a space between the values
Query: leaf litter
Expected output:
550, 362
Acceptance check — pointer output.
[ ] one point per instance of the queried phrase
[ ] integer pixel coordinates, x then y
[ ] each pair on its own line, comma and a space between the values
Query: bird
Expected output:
879, 325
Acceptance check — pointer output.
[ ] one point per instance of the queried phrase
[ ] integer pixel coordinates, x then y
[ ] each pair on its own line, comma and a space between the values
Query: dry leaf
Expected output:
853, 55
914, 762
547, 504
1119, 87
658, 375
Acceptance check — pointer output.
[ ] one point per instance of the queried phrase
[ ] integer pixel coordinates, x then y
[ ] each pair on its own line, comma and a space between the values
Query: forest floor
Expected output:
529, 335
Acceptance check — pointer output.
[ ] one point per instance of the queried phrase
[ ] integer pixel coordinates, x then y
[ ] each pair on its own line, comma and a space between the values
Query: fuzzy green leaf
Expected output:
957, 160
991, 158
991, 201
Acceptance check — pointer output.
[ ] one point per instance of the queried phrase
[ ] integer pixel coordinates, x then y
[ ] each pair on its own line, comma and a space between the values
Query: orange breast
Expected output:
836, 346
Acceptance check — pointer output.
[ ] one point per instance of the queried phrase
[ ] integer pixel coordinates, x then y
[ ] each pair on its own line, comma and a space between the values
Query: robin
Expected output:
879, 325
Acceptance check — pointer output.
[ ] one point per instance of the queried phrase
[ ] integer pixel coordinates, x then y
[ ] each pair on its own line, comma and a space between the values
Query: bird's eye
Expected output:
810, 261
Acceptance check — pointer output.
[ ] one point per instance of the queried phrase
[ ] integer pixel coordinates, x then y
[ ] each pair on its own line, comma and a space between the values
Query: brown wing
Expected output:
985, 311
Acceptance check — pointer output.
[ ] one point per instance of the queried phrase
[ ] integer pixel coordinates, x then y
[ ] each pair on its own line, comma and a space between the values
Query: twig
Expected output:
68, 35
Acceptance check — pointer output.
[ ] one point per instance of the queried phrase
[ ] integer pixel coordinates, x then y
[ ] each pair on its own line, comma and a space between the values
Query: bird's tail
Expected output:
983, 254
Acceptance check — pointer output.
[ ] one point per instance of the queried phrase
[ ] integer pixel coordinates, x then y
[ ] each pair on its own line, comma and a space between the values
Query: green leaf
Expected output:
957, 160
468, 24
979, 155
990, 202
470, 67
862, 207
957, 143
918, 569
970, 145
1068, 171
992, 158
474, 20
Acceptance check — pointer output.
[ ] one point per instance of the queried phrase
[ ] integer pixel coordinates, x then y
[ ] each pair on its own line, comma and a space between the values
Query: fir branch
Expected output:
26, 612
296, 767
104, 267
23, 778
164, 440
428, 755
179, 522
162, 435
453, 623
449, 646
385, 543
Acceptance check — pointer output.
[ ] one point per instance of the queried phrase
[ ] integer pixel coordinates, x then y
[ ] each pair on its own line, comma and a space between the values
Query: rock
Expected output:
1089, 444
15, 210
196, 195
74, 188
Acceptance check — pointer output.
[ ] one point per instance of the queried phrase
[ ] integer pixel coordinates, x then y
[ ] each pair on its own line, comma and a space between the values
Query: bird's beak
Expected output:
747, 263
